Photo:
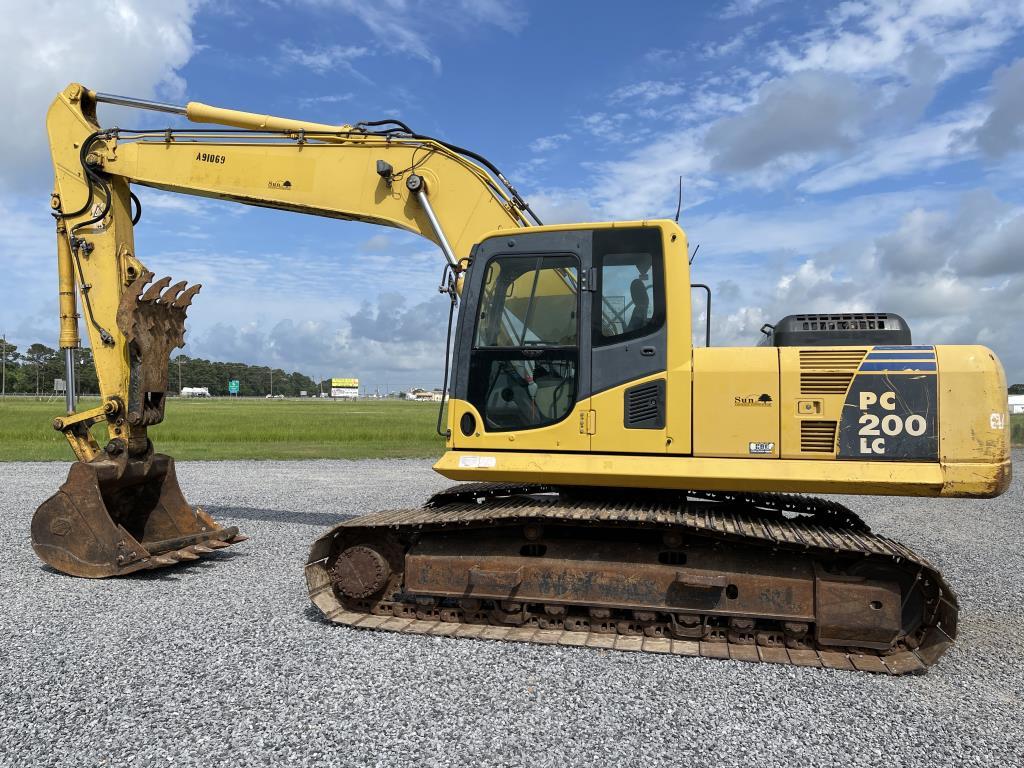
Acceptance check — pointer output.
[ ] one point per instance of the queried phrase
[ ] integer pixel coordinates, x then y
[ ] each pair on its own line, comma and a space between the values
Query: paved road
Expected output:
222, 662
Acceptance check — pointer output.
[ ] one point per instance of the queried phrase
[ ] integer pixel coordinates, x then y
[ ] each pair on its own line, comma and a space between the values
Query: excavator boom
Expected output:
121, 509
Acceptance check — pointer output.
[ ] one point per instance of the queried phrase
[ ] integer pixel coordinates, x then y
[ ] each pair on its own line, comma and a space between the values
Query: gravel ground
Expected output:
224, 661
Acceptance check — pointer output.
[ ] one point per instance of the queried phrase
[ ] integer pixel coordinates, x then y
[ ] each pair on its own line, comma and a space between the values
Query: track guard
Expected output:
117, 515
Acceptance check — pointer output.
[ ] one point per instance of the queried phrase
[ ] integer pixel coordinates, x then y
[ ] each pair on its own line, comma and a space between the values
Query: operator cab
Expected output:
551, 317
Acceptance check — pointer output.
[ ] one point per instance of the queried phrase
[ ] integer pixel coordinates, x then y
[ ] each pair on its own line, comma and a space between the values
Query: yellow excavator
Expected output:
629, 489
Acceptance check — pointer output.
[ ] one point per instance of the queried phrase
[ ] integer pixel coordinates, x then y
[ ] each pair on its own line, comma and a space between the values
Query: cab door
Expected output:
628, 340
523, 355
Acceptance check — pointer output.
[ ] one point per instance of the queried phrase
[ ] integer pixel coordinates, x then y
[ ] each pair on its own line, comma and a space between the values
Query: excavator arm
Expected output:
380, 173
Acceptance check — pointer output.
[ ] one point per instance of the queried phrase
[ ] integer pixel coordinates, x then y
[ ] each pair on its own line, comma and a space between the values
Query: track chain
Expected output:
749, 519
821, 511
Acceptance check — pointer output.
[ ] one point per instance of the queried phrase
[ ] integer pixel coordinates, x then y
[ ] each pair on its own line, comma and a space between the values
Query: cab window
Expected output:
523, 372
630, 284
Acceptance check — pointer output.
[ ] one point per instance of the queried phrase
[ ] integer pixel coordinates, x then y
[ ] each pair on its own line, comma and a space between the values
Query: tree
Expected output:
85, 374
39, 355
8, 359
1017, 389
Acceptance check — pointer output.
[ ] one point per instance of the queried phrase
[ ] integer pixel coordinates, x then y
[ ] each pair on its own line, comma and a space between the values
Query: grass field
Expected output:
244, 429
258, 429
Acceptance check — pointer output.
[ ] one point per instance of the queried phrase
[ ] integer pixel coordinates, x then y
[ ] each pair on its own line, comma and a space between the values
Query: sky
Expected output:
862, 156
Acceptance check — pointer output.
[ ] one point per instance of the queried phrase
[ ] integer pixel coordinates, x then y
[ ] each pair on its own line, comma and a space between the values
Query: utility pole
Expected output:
179, 373
271, 381
3, 357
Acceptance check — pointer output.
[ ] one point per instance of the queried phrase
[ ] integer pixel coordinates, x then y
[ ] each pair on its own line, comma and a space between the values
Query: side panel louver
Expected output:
644, 406
828, 371
818, 436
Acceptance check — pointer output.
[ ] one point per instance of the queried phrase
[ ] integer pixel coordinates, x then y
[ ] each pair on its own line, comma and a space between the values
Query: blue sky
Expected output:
861, 156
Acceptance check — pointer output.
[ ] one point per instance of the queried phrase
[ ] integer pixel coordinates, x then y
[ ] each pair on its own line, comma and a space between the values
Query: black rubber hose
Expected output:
138, 209
450, 278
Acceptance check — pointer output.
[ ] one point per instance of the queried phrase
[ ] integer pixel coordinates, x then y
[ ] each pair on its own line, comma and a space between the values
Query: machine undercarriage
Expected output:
751, 577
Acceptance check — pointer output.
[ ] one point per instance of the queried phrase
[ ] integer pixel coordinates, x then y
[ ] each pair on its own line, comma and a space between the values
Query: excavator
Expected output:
619, 486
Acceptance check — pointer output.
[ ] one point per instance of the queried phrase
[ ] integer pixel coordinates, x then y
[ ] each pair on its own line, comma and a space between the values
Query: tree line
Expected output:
33, 371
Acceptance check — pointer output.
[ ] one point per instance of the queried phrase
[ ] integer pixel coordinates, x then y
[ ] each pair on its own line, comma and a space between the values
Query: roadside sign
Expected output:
233, 387
347, 388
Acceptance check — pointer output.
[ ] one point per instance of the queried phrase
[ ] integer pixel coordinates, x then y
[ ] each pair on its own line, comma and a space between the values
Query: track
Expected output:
841, 562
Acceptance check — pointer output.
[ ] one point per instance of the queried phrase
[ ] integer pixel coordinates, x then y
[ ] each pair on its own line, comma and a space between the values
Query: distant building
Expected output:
1016, 403
424, 396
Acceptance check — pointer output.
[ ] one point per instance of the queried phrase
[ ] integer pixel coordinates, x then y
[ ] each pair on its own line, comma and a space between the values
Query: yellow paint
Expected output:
610, 433
974, 423
781, 475
736, 402
569, 434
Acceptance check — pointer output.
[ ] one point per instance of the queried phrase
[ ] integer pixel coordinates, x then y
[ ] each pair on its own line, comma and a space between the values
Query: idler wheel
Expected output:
360, 571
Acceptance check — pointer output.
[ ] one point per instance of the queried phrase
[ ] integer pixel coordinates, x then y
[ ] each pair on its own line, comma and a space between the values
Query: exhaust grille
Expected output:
644, 406
828, 371
817, 436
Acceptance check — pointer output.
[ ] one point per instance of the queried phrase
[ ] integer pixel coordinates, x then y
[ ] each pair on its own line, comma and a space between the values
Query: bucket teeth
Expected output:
162, 560
238, 538
217, 544
135, 290
172, 293
201, 549
185, 554
153, 293
186, 298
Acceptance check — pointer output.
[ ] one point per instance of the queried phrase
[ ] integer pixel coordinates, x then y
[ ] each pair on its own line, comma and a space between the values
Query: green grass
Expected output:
258, 429
244, 429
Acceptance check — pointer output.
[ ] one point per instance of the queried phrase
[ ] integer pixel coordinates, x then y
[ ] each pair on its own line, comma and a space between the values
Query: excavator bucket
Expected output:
115, 516
123, 511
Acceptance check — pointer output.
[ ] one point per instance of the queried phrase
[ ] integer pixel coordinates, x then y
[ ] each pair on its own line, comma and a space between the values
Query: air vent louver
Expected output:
817, 436
828, 371
644, 406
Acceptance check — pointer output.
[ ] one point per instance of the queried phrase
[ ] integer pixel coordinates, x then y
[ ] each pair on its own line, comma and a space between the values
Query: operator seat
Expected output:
641, 302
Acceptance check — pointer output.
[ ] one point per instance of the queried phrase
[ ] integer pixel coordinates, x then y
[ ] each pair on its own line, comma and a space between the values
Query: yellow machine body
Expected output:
574, 362
764, 418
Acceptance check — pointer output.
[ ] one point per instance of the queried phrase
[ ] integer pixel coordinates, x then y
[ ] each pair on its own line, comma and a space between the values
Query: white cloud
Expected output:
330, 98
648, 90
614, 127
548, 143
877, 35
949, 263
745, 7
322, 60
808, 112
733, 45
929, 146
1003, 129
132, 47
401, 26
386, 341
645, 182
564, 206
